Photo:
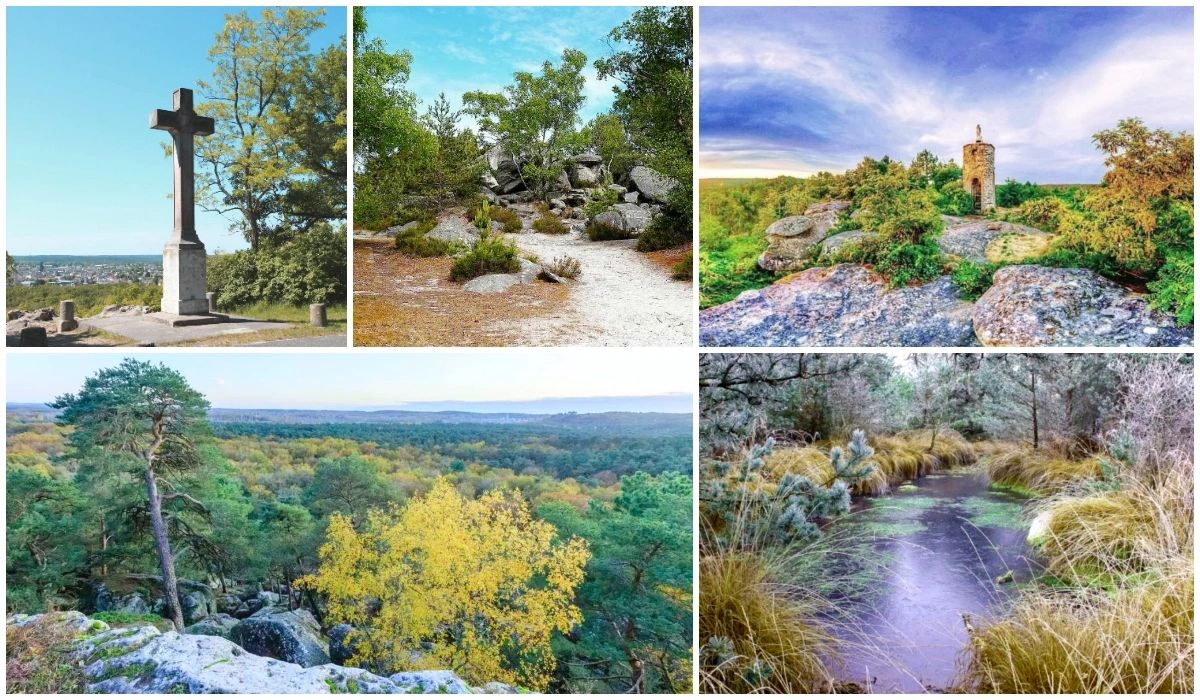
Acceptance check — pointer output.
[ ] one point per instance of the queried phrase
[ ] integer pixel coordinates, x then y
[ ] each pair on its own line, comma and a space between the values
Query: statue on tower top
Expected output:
978, 133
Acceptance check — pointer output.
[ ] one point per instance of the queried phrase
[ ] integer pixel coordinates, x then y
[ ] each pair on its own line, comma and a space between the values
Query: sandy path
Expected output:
621, 297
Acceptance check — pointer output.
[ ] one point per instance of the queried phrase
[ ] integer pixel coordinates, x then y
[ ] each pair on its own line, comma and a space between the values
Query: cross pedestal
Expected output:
184, 259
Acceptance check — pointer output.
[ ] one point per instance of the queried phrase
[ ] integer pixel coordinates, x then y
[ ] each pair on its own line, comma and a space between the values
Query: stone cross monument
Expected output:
979, 172
184, 279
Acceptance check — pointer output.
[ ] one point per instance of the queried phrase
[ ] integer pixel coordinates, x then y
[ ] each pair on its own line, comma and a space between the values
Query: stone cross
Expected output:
183, 124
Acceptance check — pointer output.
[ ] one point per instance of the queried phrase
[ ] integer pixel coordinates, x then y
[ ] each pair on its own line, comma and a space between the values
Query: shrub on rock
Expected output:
492, 254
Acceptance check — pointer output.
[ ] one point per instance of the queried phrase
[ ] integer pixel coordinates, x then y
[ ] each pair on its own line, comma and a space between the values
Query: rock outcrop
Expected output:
1031, 305
981, 240
653, 185
292, 636
454, 229
219, 625
145, 660
630, 218
794, 240
843, 305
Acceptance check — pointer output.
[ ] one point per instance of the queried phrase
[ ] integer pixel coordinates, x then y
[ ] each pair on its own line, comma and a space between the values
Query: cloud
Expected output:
807, 89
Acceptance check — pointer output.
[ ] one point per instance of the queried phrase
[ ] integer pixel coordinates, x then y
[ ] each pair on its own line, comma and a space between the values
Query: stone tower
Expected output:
979, 172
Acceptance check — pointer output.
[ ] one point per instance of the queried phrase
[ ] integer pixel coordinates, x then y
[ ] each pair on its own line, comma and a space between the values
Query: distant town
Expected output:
73, 270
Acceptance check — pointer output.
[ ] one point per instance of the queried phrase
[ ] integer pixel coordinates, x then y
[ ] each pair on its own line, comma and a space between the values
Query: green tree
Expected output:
454, 172
636, 602
611, 142
654, 102
147, 418
535, 119
247, 165
45, 546
348, 486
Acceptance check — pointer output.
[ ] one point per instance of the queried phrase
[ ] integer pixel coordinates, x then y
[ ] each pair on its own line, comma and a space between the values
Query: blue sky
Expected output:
656, 379
798, 90
458, 49
86, 174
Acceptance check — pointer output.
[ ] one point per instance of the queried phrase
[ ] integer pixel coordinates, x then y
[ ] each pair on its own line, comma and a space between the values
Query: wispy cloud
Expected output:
797, 90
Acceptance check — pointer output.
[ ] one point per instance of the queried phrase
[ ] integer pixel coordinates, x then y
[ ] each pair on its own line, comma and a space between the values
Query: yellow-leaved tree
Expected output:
476, 586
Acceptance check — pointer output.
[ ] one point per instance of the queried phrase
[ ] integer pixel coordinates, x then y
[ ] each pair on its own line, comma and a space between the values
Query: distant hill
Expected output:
610, 422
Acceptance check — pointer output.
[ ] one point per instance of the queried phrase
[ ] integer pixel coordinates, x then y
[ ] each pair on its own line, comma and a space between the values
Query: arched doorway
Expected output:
977, 194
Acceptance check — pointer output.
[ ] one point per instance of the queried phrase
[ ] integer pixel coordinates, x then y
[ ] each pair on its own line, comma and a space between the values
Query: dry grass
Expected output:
758, 635
669, 258
1038, 472
401, 301
38, 660
1128, 626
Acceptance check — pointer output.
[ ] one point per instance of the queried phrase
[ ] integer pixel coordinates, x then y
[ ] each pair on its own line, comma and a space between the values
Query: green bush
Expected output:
672, 226
597, 231
1013, 193
490, 254
683, 269
1173, 291
601, 198
549, 223
973, 279
414, 241
113, 617
901, 263
1045, 213
952, 199
308, 267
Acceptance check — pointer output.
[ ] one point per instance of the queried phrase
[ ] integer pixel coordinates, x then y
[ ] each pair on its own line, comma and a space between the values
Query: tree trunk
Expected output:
165, 560
1033, 393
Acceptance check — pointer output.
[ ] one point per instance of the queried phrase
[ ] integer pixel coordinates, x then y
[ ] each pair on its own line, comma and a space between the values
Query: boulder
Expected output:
182, 663
228, 603
342, 646
630, 218
287, 636
841, 306
491, 284
619, 189
589, 159
133, 603
583, 176
791, 243
488, 180
196, 606
453, 229
630, 197
219, 625
981, 240
46, 314
652, 184
33, 337
14, 314
837, 241
1035, 306
72, 619
392, 231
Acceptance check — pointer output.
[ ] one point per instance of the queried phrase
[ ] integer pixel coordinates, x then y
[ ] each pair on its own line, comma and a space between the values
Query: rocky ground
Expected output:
850, 305
143, 659
622, 297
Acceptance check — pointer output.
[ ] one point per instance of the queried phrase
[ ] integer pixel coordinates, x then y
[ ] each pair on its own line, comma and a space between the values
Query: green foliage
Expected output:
90, 299
1173, 291
536, 118
1045, 213
901, 263
973, 279
728, 264
611, 142
683, 269
277, 157
636, 597
1013, 193
601, 198
671, 227
113, 617
952, 199
889, 207
600, 231
307, 267
510, 220
549, 223
488, 255
415, 242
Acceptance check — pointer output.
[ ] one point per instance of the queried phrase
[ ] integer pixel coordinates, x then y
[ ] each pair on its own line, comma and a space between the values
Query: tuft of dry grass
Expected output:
1039, 472
38, 660
1127, 624
758, 636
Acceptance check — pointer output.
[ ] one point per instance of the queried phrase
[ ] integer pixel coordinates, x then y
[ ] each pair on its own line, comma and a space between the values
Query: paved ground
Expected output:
315, 341
143, 330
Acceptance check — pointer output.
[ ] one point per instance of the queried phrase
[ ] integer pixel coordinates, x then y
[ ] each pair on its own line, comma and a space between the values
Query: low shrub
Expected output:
1172, 292
952, 199
662, 233
304, 267
414, 242
549, 223
683, 269
90, 299
599, 231
973, 279
601, 198
510, 221
38, 660
1045, 213
565, 266
490, 254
